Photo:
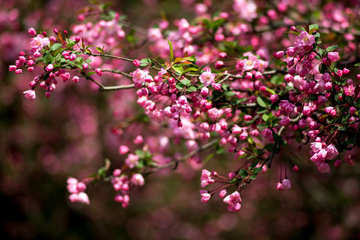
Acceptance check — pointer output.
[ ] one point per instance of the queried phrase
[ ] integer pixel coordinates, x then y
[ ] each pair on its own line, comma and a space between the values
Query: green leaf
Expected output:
331, 48
171, 50
357, 64
262, 101
253, 177
90, 73
266, 116
277, 80
145, 62
294, 32
191, 89
190, 69
102, 171
270, 91
140, 153
178, 68
243, 173
55, 46
242, 156
263, 125
229, 93
180, 86
258, 169
313, 27
186, 82
100, 50
220, 151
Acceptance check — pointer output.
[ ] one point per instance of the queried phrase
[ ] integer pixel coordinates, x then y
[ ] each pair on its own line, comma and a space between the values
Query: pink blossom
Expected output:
79, 197
286, 184
305, 39
247, 117
136, 63
117, 172
39, 42
139, 139
234, 201
207, 78
206, 178
331, 152
222, 193
137, 179
316, 146
350, 90
205, 196
30, 94
323, 167
333, 56
236, 129
337, 163
279, 187
132, 160
32, 32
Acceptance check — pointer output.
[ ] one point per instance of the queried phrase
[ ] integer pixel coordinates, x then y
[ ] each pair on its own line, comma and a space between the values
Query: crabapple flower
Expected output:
205, 196
304, 39
79, 197
331, 152
30, 94
39, 42
132, 160
286, 184
279, 186
206, 178
234, 201
333, 56
323, 167
137, 179
207, 78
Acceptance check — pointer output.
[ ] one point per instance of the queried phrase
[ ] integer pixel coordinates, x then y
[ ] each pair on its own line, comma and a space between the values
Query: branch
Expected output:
174, 163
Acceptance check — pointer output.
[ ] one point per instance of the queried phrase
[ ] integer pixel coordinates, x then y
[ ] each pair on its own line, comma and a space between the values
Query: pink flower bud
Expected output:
12, 68
72, 57
49, 68
136, 63
333, 56
295, 168
98, 72
76, 79
139, 139
85, 66
247, 117
32, 32
117, 172
222, 193
222, 55
279, 54
279, 187
337, 163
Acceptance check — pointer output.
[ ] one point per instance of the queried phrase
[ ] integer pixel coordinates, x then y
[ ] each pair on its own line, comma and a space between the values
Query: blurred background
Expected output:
45, 141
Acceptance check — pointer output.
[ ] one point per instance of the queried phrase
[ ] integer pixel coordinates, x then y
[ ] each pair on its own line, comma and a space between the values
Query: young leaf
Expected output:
263, 102
331, 48
55, 46
171, 50
243, 173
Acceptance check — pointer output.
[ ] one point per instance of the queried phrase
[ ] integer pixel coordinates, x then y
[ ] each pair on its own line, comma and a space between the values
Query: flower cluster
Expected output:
77, 189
